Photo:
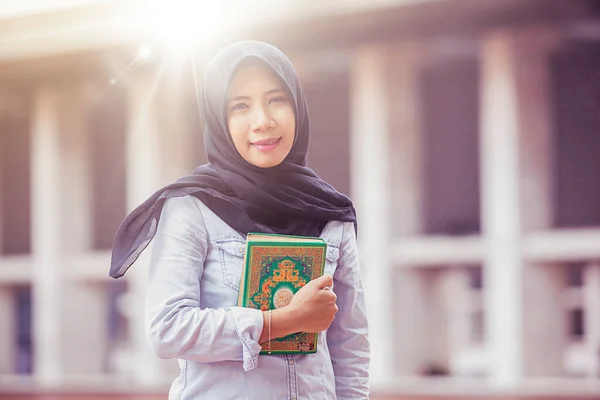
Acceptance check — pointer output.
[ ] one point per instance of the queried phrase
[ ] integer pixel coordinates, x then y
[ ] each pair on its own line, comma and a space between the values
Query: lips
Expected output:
266, 144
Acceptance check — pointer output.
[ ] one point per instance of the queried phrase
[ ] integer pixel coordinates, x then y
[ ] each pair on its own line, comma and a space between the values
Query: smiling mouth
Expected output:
266, 144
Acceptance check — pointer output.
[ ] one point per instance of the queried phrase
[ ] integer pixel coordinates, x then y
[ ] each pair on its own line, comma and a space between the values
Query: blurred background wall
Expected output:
466, 131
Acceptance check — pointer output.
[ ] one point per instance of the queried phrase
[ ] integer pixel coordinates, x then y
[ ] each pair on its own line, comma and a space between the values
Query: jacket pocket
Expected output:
331, 259
231, 253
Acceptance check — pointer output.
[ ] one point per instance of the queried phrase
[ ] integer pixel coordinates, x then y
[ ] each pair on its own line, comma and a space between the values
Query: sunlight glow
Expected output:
145, 52
181, 24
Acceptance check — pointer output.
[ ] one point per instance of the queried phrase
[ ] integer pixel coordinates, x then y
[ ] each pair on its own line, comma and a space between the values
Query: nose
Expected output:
261, 120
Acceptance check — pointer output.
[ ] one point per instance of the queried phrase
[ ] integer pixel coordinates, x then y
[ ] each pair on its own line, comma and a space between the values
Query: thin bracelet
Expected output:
269, 349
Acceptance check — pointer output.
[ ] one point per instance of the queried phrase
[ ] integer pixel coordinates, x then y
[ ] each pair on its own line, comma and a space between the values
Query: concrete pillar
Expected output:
370, 183
48, 277
69, 316
515, 145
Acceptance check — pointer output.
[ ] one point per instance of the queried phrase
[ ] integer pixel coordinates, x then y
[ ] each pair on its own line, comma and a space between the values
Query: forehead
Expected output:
254, 75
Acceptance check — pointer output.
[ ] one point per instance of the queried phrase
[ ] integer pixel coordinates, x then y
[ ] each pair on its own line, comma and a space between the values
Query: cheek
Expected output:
237, 130
288, 122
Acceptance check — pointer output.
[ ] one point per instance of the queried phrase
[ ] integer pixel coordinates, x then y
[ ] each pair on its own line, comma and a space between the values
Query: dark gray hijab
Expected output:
287, 199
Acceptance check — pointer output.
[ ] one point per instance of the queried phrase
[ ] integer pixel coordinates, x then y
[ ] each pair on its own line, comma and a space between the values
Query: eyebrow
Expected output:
276, 90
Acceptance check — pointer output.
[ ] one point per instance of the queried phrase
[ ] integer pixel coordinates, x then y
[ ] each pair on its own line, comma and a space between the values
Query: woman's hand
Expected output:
313, 306
312, 309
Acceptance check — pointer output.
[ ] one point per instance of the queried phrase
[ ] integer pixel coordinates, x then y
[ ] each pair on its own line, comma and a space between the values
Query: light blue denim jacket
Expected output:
191, 315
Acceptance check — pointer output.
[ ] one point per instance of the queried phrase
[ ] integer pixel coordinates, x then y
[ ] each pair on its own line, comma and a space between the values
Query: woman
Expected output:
256, 134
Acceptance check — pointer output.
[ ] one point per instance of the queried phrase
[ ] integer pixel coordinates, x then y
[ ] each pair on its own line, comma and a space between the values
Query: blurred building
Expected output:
466, 131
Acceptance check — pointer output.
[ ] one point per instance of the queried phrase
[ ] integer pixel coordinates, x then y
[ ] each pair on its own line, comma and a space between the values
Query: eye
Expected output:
239, 106
278, 99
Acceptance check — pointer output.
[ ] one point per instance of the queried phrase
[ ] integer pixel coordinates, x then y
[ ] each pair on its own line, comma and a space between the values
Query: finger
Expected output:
324, 281
327, 296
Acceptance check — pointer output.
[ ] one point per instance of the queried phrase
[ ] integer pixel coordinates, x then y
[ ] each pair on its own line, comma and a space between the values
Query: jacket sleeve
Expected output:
176, 326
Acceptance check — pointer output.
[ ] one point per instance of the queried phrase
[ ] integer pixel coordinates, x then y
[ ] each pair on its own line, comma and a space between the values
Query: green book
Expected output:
275, 268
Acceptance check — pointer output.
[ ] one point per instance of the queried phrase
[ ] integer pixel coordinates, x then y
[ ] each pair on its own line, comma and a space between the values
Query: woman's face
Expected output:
260, 115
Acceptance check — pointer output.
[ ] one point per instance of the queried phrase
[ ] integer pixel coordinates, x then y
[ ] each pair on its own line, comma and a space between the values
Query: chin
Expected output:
265, 163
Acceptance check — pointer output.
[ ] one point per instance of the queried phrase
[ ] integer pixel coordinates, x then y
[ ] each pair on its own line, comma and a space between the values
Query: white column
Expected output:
370, 183
69, 316
144, 159
515, 182
500, 206
48, 278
